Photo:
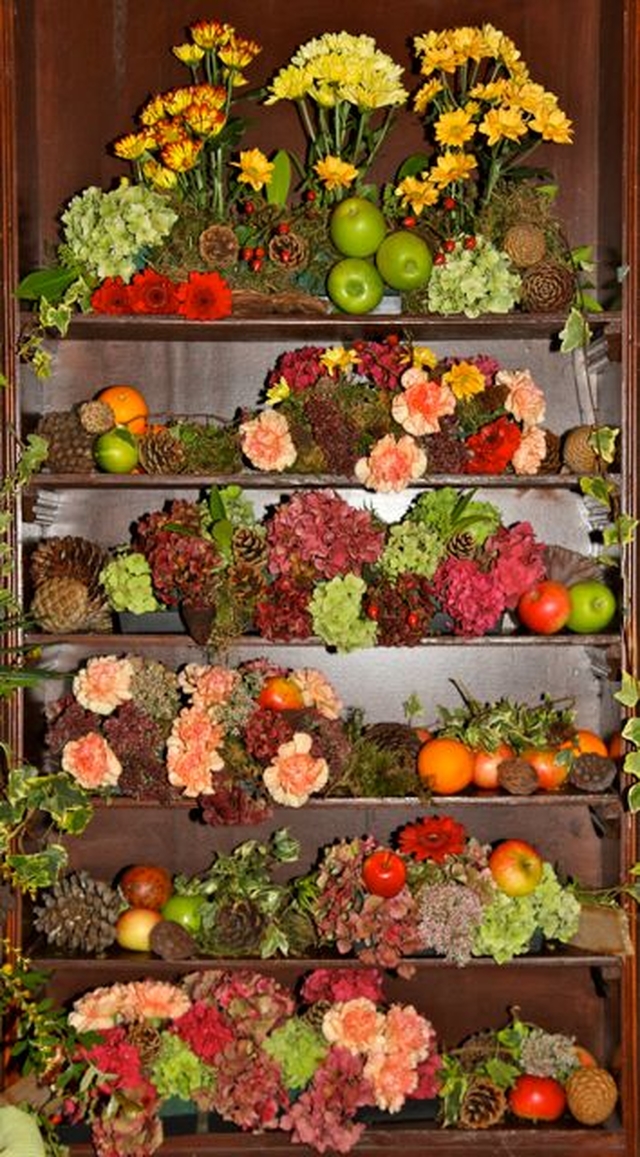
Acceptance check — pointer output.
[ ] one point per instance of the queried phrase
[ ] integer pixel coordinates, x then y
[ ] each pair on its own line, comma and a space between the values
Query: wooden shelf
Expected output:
254, 481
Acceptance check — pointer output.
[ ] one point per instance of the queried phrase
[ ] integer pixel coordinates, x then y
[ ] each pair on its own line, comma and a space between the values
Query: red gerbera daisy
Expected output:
151, 292
493, 447
111, 297
432, 838
204, 297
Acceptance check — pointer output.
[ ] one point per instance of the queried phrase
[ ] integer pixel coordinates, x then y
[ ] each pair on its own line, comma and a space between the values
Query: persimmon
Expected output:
486, 764
129, 407
445, 765
585, 742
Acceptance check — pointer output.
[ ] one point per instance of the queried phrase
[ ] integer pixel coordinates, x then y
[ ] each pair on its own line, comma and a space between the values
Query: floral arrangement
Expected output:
390, 412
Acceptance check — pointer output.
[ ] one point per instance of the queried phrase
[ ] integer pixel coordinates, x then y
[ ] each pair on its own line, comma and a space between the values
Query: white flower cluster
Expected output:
107, 234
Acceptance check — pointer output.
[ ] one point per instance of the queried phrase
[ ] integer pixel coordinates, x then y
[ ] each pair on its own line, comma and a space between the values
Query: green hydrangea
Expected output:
336, 611
509, 923
106, 234
298, 1048
128, 585
447, 511
177, 1071
474, 281
413, 547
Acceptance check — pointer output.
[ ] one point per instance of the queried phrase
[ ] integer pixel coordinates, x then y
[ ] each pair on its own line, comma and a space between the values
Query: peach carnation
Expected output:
266, 441
393, 1076
192, 751
422, 403
157, 1000
317, 692
391, 465
103, 684
531, 451
91, 761
525, 399
101, 1009
356, 1025
208, 686
295, 774
405, 1030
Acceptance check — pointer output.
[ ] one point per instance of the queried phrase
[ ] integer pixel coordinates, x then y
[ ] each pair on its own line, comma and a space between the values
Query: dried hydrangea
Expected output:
547, 1054
449, 917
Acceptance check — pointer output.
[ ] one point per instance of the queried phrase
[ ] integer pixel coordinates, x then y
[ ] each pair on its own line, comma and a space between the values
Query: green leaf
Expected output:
38, 870
48, 283
222, 535
631, 731
582, 255
599, 489
633, 798
576, 332
280, 180
412, 165
590, 304
631, 765
629, 692
216, 504
603, 440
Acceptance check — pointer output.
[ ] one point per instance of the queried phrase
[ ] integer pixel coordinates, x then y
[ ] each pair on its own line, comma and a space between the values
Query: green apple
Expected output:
404, 260
355, 285
593, 606
116, 452
357, 227
185, 911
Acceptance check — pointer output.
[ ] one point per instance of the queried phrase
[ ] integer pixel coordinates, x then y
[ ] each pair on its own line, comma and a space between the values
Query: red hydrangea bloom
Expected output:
428, 1085
204, 297
204, 1029
323, 1115
518, 562
340, 984
473, 598
284, 614
151, 292
432, 838
493, 447
382, 362
318, 534
117, 1059
111, 297
300, 368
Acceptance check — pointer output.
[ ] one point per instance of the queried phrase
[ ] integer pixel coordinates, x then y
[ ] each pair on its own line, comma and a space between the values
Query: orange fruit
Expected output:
445, 765
128, 405
586, 742
616, 746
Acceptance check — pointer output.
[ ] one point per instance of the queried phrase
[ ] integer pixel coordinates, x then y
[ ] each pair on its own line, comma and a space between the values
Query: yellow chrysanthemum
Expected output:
255, 169
210, 34
334, 173
168, 132
178, 99
464, 380
238, 52
423, 358
181, 156
325, 95
203, 120
417, 194
278, 392
531, 97
153, 111
133, 146
189, 54
441, 57
338, 358
469, 43
454, 129
553, 125
452, 167
493, 92
426, 94
213, 95
501, 124
157, 175
291, 83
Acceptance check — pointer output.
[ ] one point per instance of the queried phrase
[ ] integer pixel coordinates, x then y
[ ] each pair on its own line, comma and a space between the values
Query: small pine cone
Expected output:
219, 246
69, 556
315, 1013
577, 455
146, 1039
483, 1105
547, 287
96, 417
247, 582
396, 737
517, 777
462, 545
70, 446
591, 1095
249, 546
592, 772
525, 244
552, 460
160, 452
289, 249
79, 913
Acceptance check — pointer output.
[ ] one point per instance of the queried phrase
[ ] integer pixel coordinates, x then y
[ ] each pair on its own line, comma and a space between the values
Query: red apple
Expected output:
384, 873
516, 867
133, 928
486, 764
280, 694
550, 768
545, 608
535, 1098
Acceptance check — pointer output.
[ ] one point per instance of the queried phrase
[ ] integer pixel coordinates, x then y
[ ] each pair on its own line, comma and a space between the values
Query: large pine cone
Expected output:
483, 1105
397, 737
68, 557
547, 287
577, 455
591, 1095
160, 452
70, 446
65, 605
79, 913
525, 244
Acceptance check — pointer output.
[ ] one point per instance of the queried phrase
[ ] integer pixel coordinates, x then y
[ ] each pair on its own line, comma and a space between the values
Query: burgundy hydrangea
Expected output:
284, 614
319, 535
323, 1115
383, 362
204, 1029
337, 984
233, 803
183, 564
300, 368
68, 720
264, 732
473, 598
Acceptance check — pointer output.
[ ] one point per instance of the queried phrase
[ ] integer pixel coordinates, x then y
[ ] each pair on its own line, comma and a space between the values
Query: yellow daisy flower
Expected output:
291, 83
452, 167
133, 146
464, 380
501, 124
205, 121
423, 358
338, 358
210, 34
334, 173
181, 156
178, 99
553, 125
189, 54
496, 90
416, 193
426, 94
153, 111
159, 176
167, 132
454, 129
255, 169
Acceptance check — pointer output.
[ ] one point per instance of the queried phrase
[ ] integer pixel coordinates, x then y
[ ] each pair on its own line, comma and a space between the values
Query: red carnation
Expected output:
151, 292
493, 447
111, 297
204, 297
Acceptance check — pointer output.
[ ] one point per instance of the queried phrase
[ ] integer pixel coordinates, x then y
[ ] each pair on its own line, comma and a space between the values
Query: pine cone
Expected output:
591, 1095
397, 737
315, 1013
64, 605
289, 249
249, 546
70, 446
96, 417
577, 455
517, 777
592, 772
146, 1038
483, 1105
219, 246
68, 557
525, 244
237, 930
462, 545
552, 460
160, 452
547, 287
79, 913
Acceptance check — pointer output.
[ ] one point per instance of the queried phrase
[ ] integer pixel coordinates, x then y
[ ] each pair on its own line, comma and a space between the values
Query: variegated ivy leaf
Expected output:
600, 489
631, 731
629, 692
37, 869
576, 332
631, 765
633, 798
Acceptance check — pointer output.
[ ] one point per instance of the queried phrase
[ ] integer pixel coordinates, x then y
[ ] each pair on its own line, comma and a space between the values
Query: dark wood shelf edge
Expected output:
35, 639
283, 482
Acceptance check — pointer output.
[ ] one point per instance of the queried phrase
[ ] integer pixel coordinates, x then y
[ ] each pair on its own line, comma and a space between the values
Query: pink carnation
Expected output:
525, 399
422, 403
103, 684
157, 1000
530, 452
405, 1030
356, 1025
393, 1076
317, 692
295, 774
192, 751
391, 465
102, 1008
266, 441
208, 686
91, 761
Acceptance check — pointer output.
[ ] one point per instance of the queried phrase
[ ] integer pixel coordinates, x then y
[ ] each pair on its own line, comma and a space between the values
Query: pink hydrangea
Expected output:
266, 441
341, 984
295, 773
518, 560
473, 598
392, 464
530, 452
103, 684
192, 751
422, 403
91, 762
525, 399
318, 531
317, 692
356, 1025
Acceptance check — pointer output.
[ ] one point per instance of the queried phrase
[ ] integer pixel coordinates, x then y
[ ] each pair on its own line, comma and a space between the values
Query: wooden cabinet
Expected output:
56, 120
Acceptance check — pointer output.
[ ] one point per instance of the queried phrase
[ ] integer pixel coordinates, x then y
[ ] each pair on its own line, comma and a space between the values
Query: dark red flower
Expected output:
204, 297
493, 447
151, 292
111, 297
432, 838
